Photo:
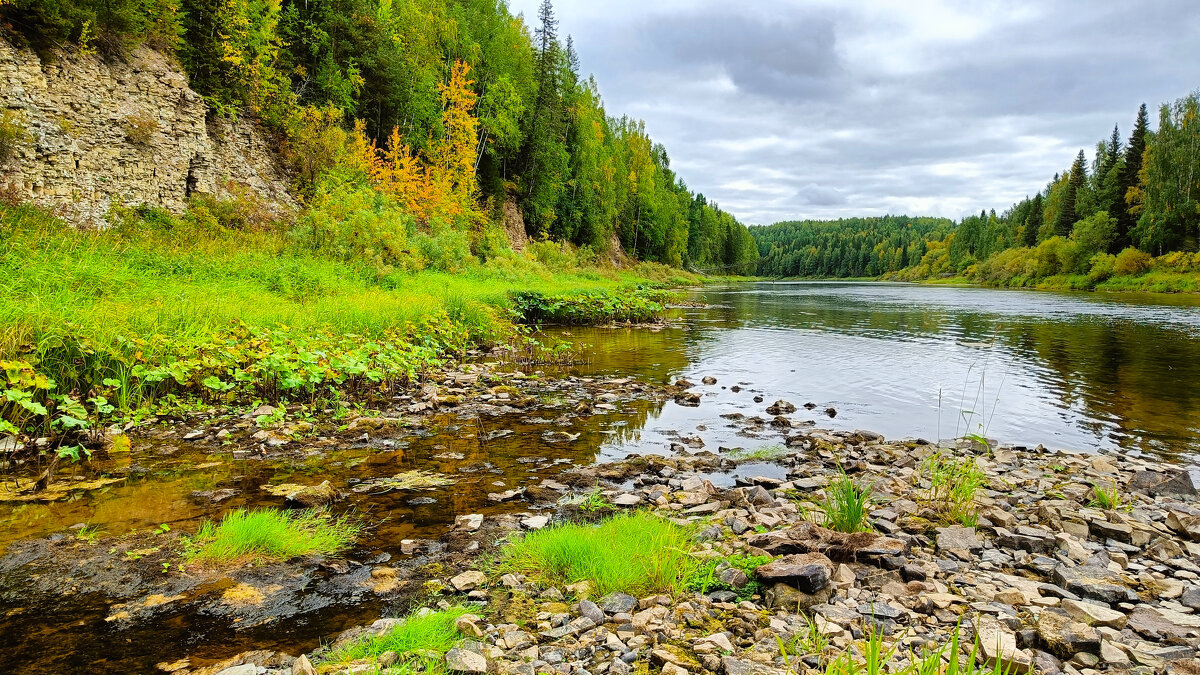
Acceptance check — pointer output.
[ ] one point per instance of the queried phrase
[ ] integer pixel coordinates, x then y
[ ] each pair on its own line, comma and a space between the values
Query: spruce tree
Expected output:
1033, 221
1129, 175
1066, 212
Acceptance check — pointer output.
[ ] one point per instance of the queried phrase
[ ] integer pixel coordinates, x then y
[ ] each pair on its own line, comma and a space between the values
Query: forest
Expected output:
1132, 209
446, 108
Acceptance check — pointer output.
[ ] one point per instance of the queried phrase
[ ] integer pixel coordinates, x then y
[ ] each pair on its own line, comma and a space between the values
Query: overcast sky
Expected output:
782, 110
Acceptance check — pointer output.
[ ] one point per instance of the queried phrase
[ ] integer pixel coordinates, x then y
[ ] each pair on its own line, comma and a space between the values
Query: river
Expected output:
1083, 371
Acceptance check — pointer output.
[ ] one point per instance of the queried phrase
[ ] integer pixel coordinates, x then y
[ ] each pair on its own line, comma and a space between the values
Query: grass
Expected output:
1109, 499
421, 640
846, 504
953, 484
874, 659
270, 534
764, 453
637, 553
703, 578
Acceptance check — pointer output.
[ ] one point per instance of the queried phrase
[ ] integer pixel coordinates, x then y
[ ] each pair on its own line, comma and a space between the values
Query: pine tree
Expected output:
1066, 212
1128, 178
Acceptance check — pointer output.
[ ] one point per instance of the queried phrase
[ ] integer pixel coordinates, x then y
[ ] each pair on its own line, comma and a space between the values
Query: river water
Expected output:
1082, 371
1078, 371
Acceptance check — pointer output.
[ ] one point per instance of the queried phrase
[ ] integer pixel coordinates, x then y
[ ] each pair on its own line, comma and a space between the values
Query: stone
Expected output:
733, 577
958, 538
1025, 538
618, 603
781, 407
673, 669
735, 666
627, 499
1063, 636
1103, 529
468, 581
721, 641
1177, 484
465, 661
468, 624
302, 666
807, 572
304, 495
468, 523
1094, 582
1093, 614
243, 669
535, 522
1184, 523
1159, 623
592, 611
785, 596
999, 646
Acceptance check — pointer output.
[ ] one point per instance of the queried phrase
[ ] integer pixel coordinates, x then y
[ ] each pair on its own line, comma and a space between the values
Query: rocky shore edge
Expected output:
1044, 581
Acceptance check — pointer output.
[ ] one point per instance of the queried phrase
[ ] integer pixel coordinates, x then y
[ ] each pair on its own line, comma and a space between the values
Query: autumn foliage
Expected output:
439, 183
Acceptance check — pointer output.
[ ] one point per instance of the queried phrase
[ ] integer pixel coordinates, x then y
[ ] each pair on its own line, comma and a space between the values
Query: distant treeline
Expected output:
471, 106
1134, 199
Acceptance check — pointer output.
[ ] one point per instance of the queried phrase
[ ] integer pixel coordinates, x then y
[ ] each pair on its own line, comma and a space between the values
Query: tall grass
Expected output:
846, 504
953, 484
269, 534
421, 641
636, 553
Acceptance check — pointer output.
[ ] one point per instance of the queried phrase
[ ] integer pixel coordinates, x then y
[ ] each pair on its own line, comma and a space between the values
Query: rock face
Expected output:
100, 134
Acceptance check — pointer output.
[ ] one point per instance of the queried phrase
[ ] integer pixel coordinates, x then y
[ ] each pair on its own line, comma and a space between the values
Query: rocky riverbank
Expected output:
1044, 581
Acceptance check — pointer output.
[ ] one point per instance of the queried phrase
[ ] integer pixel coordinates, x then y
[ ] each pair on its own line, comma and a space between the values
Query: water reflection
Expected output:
1064, 369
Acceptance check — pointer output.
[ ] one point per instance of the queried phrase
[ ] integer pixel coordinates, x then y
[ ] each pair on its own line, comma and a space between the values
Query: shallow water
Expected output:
1074, 370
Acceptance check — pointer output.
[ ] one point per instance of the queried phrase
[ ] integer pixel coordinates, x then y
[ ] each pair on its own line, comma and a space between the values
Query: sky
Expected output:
786, 110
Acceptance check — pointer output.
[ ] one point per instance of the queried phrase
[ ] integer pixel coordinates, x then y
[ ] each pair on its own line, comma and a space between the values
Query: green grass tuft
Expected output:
846, 505
953, 484
269, 534
421, 641
1107, 499
636, 553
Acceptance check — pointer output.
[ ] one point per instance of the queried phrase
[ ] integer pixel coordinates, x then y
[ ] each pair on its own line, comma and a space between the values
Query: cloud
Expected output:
825, 109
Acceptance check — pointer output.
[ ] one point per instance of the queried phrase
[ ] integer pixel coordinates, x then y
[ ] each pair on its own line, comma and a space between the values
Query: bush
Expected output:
12, 134
350, 221
315, 141
1131, 261
1054, 256
552, 254
140, 128
1093, 235
1101, 267
637, 553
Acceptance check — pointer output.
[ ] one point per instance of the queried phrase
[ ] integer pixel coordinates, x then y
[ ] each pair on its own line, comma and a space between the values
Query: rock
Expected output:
535, 522
688, 398
301, 666
1093, 614
721, 641
592, 611
468, 581
244, 669
807, 572
998, 646
672, 669
1094, 582
1063, 636
1103, 529
1158, 623
708, 379
468, 624
1184, 523
618, 603
1025, 538
781, 407
733, 577
304, 495
785, 596
806, 537
958, 538
1191, 597
1177, 484
734, 666
1046, 663
468, 523
882, 610
465, 661
627, 499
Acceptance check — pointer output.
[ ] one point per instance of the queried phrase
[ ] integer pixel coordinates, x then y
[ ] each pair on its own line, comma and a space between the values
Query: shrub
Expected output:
1131, 261
595, 307
1101, 267
846, 504
1055, 255
556, 256
140, 128
1093, 235
315, 141
268, 534
12, 134
637, 553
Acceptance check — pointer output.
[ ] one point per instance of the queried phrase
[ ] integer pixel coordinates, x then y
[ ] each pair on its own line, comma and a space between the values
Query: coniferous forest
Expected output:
1130, 208
448, 107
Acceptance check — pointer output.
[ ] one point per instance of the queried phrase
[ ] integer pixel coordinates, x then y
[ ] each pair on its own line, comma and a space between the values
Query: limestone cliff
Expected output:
132, 132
